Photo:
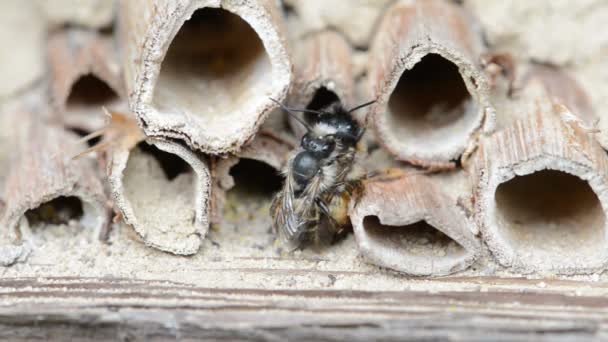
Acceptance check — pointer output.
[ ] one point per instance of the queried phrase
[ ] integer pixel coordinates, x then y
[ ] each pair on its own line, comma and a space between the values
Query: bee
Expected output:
311, 206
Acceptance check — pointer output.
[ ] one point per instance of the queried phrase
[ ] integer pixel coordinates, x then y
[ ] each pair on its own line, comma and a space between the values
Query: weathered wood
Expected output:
424, 71
410, 225
169, 210
324, 74
541, 193
110, 309
77, 56
42, 171
204, 71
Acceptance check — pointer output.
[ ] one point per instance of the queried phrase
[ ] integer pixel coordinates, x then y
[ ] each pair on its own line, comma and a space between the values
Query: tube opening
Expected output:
550, 216
83, 112
431, 105
90, 92
171, 164
58, 211
254, 179
161, 190
215, 69
418, 240
322, 98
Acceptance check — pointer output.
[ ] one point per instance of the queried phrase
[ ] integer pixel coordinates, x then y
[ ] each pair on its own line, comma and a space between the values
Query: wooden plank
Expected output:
154, 310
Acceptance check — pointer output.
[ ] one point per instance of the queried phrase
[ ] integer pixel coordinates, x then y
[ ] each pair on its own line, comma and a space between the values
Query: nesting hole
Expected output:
550, 214
88, 95
90, 92
255, 179
214, 69
430, 104
161, 190
419, 239
60, 210
322, 98
171, 164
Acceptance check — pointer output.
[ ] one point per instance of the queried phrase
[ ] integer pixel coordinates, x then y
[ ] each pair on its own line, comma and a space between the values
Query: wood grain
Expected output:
110, 309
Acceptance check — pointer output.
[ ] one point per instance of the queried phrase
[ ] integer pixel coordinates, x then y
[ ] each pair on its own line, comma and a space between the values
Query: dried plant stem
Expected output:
409, 225
85, 75
42, 170
204, 71
162, 190
541, 193
424, 71
324, 74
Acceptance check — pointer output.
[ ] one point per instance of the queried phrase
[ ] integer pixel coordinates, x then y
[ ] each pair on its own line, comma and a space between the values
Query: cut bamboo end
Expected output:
45, 185
162, 190
85, 76
324, 75
541, 197
432, 95
204, 71
253, 173
410, 226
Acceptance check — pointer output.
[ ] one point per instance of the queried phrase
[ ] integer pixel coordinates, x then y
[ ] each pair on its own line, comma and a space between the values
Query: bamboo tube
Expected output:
85, 75
46, 184
424, 71
324, 74
564, 90
541, 194
162, 189
260, 164
410, 225
204, 71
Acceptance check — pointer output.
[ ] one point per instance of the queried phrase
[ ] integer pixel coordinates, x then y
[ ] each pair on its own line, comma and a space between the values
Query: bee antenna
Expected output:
291, 111
361, 106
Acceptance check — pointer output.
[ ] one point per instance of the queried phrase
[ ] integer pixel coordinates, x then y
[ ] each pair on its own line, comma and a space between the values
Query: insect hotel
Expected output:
303, 170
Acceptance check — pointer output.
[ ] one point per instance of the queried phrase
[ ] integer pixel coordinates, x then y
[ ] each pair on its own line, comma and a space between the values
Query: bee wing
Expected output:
287, 221
293, 215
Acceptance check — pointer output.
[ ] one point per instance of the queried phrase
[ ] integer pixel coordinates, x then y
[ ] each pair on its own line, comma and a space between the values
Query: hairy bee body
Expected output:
311, 205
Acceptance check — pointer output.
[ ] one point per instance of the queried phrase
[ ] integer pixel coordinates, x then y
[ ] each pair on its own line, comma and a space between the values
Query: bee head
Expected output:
305, 166
346, 129
320, 147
